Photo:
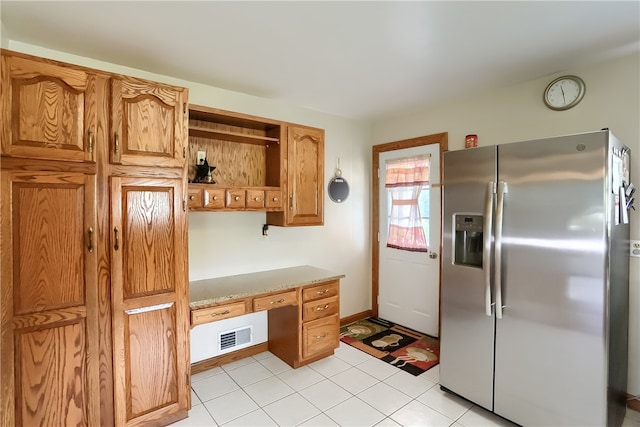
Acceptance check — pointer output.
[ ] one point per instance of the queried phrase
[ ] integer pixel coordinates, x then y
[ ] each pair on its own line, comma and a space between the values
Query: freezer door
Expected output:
550, 366
467, 332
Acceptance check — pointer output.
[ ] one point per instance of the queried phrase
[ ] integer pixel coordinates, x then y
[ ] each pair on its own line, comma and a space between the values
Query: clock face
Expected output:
564, 93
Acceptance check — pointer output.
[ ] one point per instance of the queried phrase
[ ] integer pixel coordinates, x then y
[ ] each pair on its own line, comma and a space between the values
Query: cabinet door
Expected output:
49, 339
48, 111
148, 123
305, 162
150, 300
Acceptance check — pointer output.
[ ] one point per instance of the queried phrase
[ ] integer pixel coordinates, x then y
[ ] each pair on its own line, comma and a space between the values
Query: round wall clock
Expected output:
564, 92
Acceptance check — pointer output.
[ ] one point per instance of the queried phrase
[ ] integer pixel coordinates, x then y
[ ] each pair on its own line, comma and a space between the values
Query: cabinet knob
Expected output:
236, 198
192, 197
215, 197
275, 199
257, 199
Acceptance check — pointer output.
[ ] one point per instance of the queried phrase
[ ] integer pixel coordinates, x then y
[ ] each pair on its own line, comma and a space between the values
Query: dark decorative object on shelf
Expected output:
203, 173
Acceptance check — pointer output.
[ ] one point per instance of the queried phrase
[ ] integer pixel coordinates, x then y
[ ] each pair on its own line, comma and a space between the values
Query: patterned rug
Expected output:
402, 347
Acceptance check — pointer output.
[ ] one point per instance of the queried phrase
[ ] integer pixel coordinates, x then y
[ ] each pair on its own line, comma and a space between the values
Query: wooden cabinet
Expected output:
49, 111
49, 344
94, 286
147, 123
304, 178
219, 312
150, 317
311, 330
247, 156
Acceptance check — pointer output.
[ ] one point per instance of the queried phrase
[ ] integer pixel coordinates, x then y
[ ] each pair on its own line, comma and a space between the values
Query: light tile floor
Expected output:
350, 388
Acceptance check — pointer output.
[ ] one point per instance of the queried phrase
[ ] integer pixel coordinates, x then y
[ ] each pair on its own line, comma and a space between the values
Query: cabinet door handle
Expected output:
116, 246
321, 308
116, 144
90, 147
319, 337
280, 301
90, 248
222, 313
322, 292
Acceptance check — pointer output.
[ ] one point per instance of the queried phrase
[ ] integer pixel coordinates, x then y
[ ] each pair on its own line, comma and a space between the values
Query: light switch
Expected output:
635, 248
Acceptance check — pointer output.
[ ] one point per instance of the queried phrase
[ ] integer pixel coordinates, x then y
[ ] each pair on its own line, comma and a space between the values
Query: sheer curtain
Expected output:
404, 181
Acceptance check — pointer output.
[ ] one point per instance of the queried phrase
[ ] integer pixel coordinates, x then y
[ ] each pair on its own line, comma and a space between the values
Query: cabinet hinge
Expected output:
186, 375
184, 205
184, 108
184, 152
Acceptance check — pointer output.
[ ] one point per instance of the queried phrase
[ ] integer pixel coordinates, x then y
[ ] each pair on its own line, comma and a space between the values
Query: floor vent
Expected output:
237, 337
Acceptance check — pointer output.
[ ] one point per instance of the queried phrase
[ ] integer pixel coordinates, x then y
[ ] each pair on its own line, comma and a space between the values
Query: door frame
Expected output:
437, 138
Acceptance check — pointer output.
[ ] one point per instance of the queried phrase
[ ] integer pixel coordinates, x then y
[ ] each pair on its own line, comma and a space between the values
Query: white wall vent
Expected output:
230, 340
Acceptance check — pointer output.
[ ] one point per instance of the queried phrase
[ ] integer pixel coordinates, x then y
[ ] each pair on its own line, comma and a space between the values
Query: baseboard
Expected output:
633, 402
213, 362
355, 317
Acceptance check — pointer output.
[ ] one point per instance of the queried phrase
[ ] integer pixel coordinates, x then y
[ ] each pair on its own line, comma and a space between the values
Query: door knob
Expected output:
433, 255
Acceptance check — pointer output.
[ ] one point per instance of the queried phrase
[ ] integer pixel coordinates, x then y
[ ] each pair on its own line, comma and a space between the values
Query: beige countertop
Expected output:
220, 289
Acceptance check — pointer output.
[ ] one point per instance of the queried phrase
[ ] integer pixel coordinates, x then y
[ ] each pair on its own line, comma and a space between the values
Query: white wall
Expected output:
517, 113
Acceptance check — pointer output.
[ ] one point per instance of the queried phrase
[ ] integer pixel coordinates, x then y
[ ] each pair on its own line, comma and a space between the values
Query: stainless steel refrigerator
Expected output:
535, 276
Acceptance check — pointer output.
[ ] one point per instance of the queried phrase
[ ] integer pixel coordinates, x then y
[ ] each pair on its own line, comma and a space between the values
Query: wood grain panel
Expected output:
139, 137
49, 111
52, 382
148, 123
151, 360
148, 240
236, 164
49, 235
320, 336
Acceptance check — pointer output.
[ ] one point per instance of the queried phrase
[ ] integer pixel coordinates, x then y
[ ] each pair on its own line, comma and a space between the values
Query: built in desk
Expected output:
303, 306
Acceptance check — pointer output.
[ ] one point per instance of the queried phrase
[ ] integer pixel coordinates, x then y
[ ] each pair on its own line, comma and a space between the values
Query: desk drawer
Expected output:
320, 336
324, 290
211, 314
321, 308
275, 301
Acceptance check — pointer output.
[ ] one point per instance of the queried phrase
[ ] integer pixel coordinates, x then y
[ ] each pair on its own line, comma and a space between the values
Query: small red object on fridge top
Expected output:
471, 141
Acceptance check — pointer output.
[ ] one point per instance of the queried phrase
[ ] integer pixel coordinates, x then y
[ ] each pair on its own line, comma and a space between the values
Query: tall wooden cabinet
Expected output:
94, 291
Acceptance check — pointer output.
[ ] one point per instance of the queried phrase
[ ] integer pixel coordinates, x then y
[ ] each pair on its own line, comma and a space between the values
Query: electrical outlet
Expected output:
635, 248
200, 157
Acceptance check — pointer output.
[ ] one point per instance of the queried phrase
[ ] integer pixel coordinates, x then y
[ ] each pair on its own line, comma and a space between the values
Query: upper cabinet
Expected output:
305, 178
245, 153
148, 123
51, 109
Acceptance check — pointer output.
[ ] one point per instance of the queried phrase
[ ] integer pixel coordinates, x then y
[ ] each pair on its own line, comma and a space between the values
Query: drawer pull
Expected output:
281, 300
222, 313
322, 292
319, 308
192, 197
236, 198
215, 197
319, 337
257, 199
275, 199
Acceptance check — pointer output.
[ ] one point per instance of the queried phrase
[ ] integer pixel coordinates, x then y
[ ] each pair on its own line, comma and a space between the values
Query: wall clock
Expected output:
564, 92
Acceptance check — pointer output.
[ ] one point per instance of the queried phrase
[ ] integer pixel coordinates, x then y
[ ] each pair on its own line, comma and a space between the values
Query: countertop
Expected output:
207, 292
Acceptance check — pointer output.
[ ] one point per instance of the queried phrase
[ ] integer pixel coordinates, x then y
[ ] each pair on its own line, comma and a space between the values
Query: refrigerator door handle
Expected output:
502, 190
486, 251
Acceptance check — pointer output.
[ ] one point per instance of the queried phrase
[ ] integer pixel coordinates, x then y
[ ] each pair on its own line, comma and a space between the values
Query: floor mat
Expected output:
401, 347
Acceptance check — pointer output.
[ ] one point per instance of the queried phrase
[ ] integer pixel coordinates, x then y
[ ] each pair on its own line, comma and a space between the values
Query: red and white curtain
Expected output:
404, 181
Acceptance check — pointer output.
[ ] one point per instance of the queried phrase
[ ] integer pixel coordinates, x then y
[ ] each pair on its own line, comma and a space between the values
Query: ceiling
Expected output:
362, 60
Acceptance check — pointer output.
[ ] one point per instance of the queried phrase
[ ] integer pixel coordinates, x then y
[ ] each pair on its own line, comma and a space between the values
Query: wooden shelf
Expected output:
203, 132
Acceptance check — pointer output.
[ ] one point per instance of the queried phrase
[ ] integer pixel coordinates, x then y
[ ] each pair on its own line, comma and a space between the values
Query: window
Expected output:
407, 184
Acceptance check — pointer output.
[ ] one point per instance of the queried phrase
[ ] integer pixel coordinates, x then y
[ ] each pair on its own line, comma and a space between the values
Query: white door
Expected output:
409, 282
